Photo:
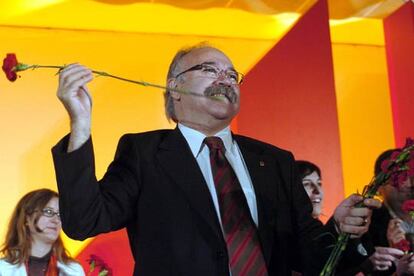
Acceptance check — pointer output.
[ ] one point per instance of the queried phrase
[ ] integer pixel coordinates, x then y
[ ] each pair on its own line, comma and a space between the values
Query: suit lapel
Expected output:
260, 170
178, 162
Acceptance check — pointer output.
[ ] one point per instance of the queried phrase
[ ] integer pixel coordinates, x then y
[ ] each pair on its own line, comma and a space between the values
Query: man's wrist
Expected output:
79, 134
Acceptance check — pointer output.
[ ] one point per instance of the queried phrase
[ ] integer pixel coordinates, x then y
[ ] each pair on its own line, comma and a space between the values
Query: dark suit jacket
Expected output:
155, 188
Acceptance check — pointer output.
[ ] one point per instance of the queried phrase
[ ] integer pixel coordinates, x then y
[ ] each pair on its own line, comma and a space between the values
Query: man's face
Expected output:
395, 197
214, 81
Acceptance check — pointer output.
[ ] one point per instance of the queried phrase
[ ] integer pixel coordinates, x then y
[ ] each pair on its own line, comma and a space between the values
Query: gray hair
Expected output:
174, 71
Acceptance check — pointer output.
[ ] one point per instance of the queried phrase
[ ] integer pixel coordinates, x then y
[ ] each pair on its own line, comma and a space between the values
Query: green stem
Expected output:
342, 241
143, 83
336, 253
45, 66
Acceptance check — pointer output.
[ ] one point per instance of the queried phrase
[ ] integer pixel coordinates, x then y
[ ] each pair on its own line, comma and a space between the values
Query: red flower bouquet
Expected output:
399, 174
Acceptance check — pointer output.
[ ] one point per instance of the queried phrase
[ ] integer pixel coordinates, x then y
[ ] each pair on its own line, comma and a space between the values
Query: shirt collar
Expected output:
195, 138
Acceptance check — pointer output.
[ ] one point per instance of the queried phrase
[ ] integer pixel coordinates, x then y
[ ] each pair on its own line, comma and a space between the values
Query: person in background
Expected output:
311, 178
33, 245
389, 226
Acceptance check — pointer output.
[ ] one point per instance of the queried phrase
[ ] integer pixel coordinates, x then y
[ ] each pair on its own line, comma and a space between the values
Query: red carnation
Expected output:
410, 165
102, 267
408, 206
9, 66
395, 154
384, 165
403, 245
401, 178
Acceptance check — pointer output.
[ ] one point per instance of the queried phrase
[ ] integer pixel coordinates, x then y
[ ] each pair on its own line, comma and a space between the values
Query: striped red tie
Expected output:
240, 232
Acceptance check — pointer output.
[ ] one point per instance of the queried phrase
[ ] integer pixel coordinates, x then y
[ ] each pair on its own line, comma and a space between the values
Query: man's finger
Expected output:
360, 212
354, 230
389, 250
372, 203
77, 75
352, 200
357, 221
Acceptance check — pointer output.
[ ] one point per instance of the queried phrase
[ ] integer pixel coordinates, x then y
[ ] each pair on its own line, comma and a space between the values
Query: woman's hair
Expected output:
16, 248
304, 168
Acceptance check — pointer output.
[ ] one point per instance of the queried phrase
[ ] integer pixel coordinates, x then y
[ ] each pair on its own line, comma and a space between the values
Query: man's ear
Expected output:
172, 83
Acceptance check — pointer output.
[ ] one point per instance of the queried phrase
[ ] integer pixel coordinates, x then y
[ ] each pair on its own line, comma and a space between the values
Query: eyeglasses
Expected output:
48, 212
214, 72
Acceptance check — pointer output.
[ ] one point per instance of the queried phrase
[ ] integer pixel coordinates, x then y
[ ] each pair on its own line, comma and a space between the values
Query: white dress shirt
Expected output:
202, 154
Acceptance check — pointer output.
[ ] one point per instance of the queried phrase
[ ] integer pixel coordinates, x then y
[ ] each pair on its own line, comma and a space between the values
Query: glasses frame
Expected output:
49, 213
201, 66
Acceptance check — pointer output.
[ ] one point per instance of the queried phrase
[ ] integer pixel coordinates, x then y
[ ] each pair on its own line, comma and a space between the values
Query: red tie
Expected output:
243, 245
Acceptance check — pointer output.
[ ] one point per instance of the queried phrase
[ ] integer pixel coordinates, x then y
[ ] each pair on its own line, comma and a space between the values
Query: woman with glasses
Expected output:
33, 245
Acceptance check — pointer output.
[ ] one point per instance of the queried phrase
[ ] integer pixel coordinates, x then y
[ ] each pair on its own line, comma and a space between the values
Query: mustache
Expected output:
228, 91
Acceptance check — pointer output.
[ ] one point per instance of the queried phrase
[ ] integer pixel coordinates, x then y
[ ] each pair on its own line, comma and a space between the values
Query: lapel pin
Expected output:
261, 163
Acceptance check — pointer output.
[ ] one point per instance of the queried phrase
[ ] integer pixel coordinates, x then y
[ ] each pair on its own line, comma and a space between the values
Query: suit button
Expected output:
221, 254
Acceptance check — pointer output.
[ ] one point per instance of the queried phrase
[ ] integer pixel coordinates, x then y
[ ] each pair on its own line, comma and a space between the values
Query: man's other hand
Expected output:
355, 220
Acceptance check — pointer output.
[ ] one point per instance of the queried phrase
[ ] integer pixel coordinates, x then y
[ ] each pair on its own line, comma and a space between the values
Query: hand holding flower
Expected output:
74, 95
395, 233
355, 220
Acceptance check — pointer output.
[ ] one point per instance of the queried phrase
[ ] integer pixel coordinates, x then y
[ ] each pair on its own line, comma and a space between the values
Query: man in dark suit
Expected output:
193, 204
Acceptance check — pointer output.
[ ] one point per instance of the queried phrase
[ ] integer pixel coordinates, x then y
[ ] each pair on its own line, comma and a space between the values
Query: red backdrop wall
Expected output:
288, 99
399, 42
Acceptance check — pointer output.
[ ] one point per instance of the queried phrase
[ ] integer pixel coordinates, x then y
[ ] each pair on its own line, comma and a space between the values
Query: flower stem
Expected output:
45, 66
104, 74
340, 246
342, 241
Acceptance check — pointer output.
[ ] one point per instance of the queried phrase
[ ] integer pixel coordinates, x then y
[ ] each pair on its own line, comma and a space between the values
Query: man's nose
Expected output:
223, 79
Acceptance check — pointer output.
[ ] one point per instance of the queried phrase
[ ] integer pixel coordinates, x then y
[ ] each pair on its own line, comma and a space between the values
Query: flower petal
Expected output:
9, 65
